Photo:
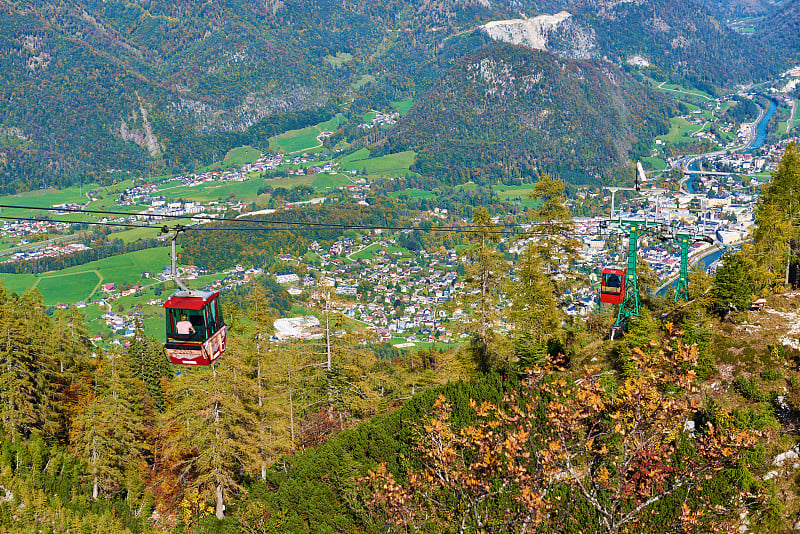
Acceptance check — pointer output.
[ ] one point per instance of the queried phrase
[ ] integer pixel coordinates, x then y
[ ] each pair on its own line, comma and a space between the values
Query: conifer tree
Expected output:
109, 435
149, 364
550, 237
534, 311
27, 369
485, 277
208, 426
777, 223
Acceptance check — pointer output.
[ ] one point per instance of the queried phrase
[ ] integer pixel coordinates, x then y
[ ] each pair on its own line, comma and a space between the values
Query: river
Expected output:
761, 131
761, 135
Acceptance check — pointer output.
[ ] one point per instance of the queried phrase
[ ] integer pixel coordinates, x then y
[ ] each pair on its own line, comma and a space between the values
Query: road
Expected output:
687, 160
791, 116
38, 244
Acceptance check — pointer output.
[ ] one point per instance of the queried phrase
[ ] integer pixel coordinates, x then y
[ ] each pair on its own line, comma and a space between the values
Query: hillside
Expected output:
508, 110
91, 86
782, 30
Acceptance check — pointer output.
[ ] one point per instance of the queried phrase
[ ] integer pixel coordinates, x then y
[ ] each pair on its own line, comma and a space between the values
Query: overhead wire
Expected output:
515, 229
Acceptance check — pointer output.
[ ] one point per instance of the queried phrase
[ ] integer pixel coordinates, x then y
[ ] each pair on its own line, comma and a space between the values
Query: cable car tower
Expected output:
684, 240
621, 286
196, 331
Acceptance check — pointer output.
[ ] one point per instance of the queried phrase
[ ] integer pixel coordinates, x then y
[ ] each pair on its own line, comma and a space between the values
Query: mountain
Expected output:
740, 8
507, 110
782, 29
90, 86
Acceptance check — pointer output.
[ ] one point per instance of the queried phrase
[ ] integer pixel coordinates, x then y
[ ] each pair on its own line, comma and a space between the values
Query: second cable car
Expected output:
612, 285
196, 331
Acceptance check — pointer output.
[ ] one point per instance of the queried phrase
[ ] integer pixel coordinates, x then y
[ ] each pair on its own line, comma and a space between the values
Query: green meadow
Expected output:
237, 157
403, 105
412, 193
657, 164
391, 164
80, 282
305, 139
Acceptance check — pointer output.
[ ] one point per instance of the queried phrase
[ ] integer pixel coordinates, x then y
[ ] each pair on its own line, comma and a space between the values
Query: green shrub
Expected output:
771, 374
748, 388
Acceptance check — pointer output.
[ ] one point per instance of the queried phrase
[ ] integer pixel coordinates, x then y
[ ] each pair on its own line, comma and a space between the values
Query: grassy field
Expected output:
679, 131
469, 186
363, 80
392, 164
339, 59
678, 90
360, 154
518, 194
412, 193
403, 105
68, 288
295, 141
654, 163
134, 234
244, 191
236, 157
369, 116
82, 279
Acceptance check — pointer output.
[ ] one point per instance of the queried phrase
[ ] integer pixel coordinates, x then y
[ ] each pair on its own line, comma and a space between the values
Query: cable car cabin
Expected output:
612, 285
196, 333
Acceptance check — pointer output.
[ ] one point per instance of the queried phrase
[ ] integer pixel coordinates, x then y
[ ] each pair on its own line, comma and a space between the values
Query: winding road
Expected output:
687, 160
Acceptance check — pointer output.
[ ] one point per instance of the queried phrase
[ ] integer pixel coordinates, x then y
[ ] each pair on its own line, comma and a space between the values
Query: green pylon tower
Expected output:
684, 240
630, 304
682, 290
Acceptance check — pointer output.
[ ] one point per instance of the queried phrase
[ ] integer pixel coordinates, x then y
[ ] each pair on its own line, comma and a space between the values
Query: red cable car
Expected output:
612, 285
196, 333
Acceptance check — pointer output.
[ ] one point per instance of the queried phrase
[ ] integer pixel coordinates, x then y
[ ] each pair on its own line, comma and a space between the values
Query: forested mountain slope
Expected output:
512, 110
782, 30
89, 86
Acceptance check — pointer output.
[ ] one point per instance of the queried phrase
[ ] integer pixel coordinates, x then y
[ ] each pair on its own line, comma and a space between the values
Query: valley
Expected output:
508, 266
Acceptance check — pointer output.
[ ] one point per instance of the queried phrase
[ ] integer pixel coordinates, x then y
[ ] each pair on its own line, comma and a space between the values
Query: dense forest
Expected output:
507, 113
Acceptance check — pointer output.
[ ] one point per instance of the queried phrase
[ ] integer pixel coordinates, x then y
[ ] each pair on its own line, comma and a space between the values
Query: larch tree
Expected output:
208, 426
486, 278
551, 234
110, 433
587, 455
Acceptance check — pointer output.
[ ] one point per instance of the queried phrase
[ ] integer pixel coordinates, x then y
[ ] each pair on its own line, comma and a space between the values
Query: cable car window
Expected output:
612, 280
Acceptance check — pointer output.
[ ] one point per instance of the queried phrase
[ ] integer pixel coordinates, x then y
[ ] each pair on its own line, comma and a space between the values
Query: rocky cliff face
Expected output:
557, 33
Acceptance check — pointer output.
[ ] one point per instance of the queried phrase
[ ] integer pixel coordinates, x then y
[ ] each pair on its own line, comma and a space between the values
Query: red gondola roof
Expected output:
613, 270
190, 303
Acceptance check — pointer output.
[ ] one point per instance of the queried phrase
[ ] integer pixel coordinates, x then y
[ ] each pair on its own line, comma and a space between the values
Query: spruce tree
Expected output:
148, 362
109, 434
27, 369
